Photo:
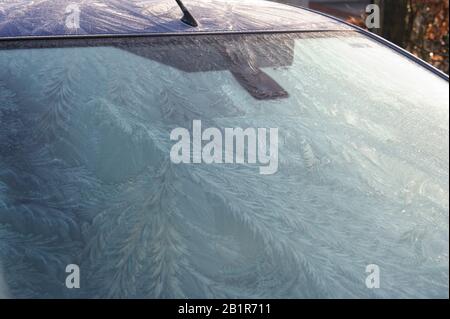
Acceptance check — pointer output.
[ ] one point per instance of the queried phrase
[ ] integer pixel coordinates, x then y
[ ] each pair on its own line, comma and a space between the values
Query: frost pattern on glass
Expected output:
85, 176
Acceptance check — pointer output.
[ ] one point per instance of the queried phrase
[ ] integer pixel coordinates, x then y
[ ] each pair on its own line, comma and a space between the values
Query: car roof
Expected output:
24, 18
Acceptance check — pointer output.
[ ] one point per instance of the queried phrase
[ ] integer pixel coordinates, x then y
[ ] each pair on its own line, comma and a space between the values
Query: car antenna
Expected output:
187, 16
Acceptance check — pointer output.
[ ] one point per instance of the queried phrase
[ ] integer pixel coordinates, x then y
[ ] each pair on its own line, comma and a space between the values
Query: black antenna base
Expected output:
187, 16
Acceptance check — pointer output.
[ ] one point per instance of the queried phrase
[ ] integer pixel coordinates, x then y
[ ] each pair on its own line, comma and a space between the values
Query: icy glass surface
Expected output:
86, 178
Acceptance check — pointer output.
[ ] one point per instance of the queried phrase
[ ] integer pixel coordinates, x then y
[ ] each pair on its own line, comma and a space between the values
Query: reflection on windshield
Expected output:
86, 178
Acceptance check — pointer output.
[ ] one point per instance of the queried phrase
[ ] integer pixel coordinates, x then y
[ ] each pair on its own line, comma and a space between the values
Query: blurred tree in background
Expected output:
419, 26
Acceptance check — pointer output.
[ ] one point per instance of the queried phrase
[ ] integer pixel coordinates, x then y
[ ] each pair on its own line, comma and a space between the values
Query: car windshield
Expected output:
115, 160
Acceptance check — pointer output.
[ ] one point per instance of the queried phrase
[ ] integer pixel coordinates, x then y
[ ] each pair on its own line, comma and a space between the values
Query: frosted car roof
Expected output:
22, 18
